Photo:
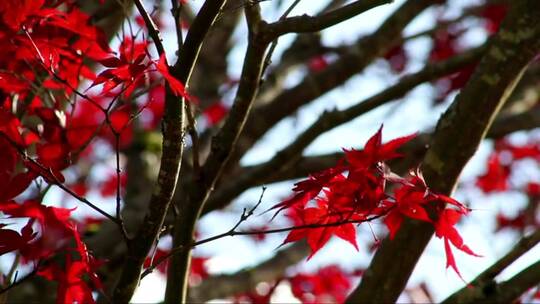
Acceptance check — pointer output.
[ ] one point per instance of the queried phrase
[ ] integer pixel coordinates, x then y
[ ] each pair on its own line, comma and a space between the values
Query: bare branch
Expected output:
222, 146
173, 135
307, 24
178, 250
361, 55
222, 286
509, 291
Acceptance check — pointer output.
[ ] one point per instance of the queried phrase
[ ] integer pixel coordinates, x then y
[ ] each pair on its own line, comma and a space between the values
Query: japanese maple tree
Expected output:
125, 124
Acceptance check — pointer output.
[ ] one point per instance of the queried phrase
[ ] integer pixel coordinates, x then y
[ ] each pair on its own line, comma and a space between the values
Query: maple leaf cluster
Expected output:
362, 188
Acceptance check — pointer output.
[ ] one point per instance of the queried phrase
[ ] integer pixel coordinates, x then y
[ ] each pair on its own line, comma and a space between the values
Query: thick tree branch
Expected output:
508, 123
307, 24
222, 145
173, 136
457, 136
187, 56
138, 248
509, 291
482, 285
211, 71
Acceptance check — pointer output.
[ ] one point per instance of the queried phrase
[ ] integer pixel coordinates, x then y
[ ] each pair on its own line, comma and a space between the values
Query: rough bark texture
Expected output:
457, 136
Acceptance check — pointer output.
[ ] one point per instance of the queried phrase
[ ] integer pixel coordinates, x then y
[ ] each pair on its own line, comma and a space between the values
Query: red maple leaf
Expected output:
176, 86
72, 288
317, 237
409, 202
494, 14
317, 63
309, 188
496, 177
444, 228
55, 226
14, 13
126, 69
215, 113
375, 151
11, 240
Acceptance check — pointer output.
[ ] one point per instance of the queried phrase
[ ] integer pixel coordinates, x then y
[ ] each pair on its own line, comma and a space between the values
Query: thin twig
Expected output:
192, 130
51, 177
233, 232
152, 27
176, 11
268, 58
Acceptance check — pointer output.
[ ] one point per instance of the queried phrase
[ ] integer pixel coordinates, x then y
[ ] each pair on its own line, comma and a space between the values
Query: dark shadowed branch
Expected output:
173, 137
306, 24
222, 145
226, 285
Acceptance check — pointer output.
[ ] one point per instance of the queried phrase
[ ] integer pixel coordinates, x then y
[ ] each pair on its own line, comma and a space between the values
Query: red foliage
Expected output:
496, 176
176, 86
328, 285
215, 113
56, 233
340, 199
444, 228
317, 64
493, 15
397, 57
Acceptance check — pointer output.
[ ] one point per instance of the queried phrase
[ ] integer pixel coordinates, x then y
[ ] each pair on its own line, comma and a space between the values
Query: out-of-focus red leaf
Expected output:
215, 113
496, 176
330, 284
397, 58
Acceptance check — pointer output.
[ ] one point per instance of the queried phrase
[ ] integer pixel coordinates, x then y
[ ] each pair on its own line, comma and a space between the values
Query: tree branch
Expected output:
222, 146
457, 136
307, 24
313, 86
173, 147
151, 26
483, 283
285, 158
222, 286
509, 291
